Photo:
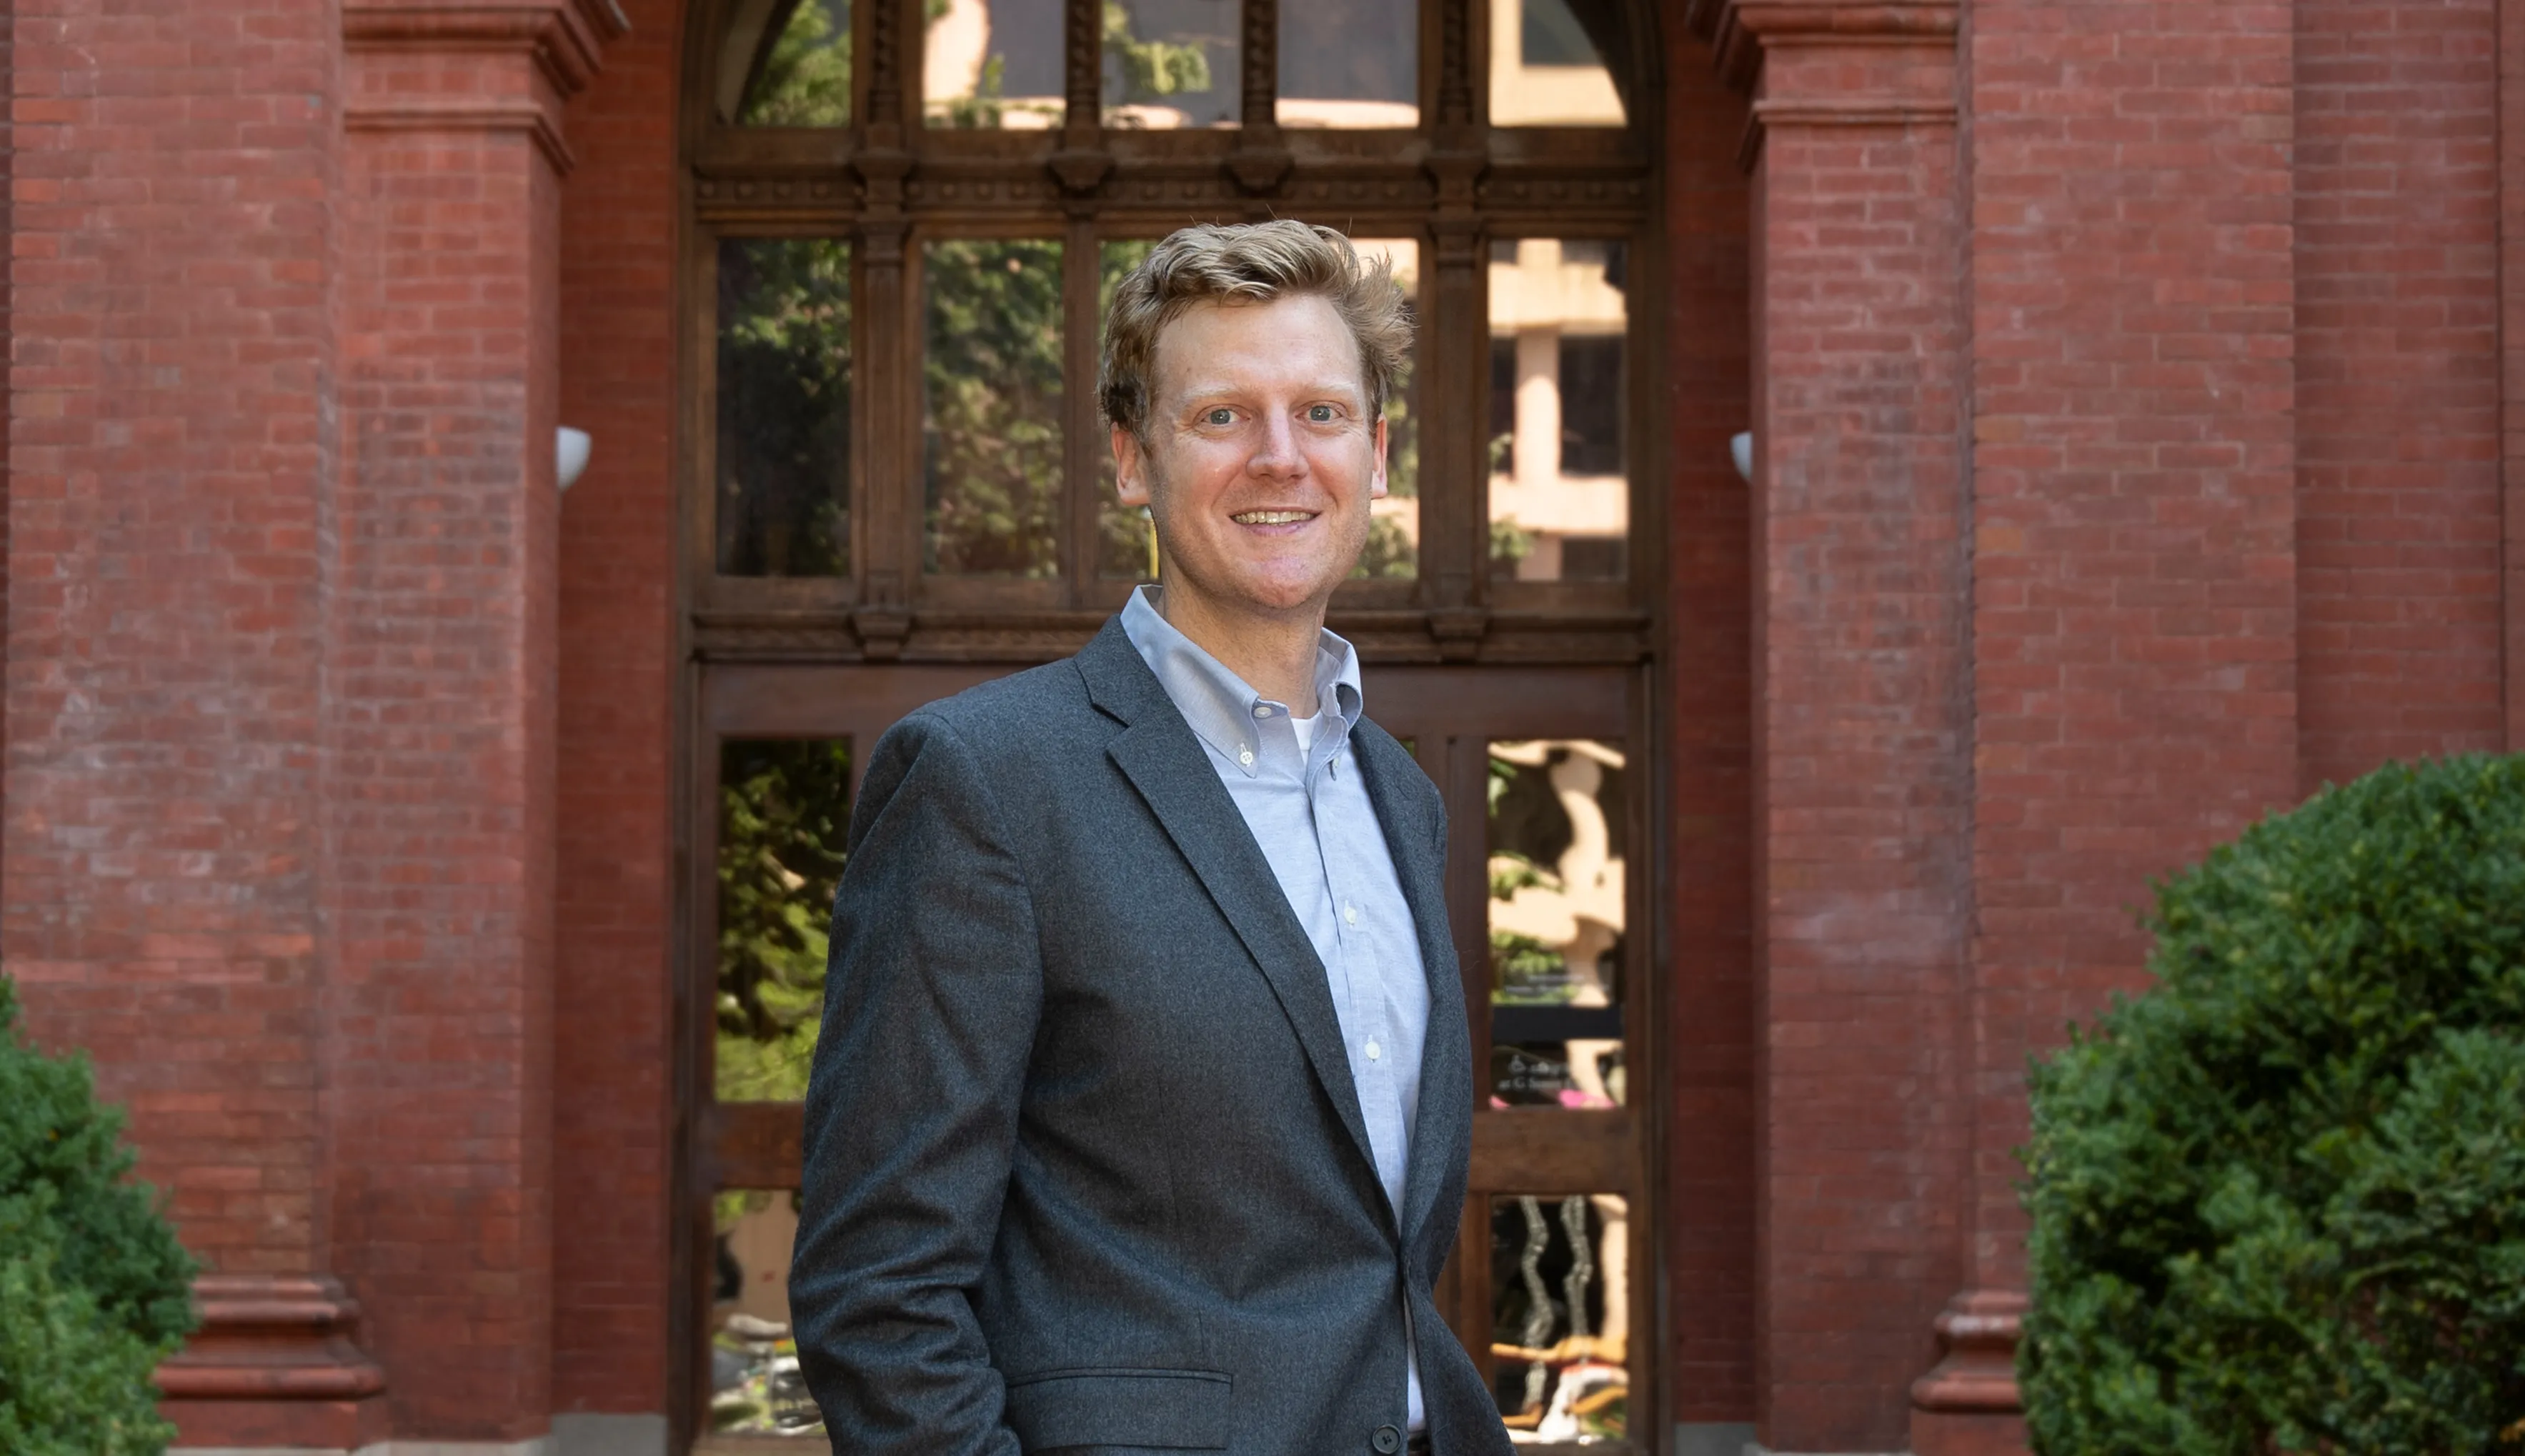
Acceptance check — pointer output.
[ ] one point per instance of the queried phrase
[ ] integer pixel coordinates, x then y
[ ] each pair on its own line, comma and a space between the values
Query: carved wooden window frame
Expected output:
887, 182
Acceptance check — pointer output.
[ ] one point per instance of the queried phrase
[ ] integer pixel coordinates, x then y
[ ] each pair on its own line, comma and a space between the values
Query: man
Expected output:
1140, 1115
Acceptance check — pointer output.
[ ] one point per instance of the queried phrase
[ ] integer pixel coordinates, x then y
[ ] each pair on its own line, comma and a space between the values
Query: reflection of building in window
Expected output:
993, 63
755, 1384
1560, 1317
1546, 70
1348, 64
1559, 501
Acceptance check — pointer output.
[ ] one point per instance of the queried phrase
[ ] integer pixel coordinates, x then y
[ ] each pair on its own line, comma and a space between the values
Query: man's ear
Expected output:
1130, 468
1376, 482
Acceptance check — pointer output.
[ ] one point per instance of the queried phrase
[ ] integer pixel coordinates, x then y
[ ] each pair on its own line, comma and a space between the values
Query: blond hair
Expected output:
1248, 263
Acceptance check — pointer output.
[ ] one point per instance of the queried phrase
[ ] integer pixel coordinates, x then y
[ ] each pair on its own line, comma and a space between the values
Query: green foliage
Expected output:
994, 391
804, 80
1152, 70
784, 811
2279, 1201
784, 407
1388, 554
92, 1282
1510, 543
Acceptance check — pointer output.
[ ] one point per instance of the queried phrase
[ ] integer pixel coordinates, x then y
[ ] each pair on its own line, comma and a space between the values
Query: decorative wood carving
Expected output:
1455, 62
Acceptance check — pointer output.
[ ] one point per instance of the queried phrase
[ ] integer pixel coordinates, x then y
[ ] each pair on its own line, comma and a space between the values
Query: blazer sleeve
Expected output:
930, 1004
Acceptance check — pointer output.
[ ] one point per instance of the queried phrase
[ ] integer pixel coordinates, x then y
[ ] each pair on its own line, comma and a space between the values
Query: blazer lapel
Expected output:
1159, 753
1412, 837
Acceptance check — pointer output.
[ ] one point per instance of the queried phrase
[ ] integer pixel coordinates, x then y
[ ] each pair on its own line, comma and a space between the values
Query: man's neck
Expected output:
1274, 654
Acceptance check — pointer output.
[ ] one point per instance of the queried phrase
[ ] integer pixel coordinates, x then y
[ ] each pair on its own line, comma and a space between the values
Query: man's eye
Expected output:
1220, 417
1321, 413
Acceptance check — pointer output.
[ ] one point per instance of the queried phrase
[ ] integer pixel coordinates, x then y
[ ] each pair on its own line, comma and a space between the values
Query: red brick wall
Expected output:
1861, 733
440, 1009
2134, 474
171, 449
1708, 1047
2397, 383
2512, 361
617, 534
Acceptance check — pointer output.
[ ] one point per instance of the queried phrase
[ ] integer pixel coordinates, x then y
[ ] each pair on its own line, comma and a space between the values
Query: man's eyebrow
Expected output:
1198, 392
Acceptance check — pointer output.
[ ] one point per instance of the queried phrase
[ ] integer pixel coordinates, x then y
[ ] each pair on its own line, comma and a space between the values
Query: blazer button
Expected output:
1387, 1441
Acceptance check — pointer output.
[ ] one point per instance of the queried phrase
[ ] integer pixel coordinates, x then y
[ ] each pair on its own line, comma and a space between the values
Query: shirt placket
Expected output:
1362, 988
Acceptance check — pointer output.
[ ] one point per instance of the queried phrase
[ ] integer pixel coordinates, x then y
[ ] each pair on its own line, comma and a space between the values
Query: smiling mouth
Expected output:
1272, 517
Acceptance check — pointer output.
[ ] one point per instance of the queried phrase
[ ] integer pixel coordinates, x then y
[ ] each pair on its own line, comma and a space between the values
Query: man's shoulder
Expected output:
1017, 701
1021, 723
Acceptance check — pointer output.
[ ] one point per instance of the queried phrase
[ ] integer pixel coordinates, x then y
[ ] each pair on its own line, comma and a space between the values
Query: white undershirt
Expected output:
1305, 728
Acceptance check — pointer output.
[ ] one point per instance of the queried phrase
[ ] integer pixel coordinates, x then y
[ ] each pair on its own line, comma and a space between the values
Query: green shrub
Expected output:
92, 1282
2279, 1200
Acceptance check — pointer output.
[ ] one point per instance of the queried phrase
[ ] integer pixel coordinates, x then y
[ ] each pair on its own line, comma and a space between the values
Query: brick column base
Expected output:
274, 1365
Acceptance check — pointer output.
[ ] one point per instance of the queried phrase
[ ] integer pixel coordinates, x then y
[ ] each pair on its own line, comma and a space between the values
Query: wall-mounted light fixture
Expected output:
1740, 447
569, 455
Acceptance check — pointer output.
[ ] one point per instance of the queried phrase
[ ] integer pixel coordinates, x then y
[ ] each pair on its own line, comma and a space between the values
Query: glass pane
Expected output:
796, 56
1170, 63
1127, 543
1559, 335
1393, 548
1561, 1296
784, 811
1559, 830
1343, 63
755, 1385
784, 407
1545, 70
993, 63
992, 417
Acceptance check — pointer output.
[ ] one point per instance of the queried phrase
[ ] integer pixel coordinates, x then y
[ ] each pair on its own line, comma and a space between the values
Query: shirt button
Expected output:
1262, 709
1374, 1051
1245, 757
1350, 914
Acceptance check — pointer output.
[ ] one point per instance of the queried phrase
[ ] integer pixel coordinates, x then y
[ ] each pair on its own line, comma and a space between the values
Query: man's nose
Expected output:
1275, 454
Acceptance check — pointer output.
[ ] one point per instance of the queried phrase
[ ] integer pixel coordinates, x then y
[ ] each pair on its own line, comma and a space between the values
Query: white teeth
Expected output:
1272, 517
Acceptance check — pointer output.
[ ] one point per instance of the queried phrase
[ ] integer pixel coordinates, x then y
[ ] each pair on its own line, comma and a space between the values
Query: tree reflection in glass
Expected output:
1126, 545
784, 812
784, 407
802, 78
1392, 550
1170, 63
992, 389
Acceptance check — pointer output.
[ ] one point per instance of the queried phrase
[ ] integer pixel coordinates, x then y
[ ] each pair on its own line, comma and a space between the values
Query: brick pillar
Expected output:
1860, 709
2135, 535
442, 702
2511, 369
280, 646
174, 449
612, 1104
2396, 171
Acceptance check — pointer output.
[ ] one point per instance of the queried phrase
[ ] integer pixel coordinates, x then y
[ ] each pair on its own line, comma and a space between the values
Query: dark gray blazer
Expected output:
1084, 1168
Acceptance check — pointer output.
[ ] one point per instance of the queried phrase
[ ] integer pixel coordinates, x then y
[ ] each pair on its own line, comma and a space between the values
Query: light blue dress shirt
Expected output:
1316, 826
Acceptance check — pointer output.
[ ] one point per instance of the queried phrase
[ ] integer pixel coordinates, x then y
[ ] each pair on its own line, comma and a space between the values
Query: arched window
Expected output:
904, 216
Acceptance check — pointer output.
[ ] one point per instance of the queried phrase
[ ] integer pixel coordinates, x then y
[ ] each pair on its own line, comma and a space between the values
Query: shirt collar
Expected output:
1218, 704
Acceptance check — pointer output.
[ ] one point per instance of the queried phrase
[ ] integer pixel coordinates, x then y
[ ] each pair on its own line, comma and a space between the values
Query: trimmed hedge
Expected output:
92, 1283
2279, 1200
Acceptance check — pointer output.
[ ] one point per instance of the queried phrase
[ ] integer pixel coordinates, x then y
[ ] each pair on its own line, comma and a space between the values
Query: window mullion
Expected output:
1081, 441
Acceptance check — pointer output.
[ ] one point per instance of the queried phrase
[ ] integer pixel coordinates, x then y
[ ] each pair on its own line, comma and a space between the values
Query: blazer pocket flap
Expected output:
1180, 1409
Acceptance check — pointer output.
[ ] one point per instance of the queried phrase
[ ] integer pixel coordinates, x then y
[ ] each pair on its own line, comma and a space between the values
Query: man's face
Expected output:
1260, 456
